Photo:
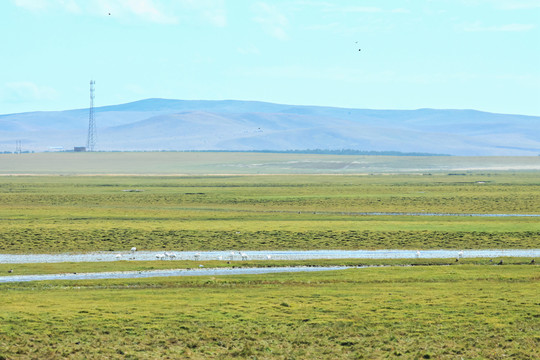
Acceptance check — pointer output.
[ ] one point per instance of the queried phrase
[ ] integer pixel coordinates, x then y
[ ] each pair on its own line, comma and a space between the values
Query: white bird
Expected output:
268, 257
133, 249
417, 253
220, 257
201, 266
197, 256
118, 256
172, 256
160, 256
244, 256
231, 255
460, 254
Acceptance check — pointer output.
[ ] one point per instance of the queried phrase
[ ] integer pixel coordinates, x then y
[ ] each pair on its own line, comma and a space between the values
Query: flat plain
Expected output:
466, 309
420, 312
249, 163
43, 214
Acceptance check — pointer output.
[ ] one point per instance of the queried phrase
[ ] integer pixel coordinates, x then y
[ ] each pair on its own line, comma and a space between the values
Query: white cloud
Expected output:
478, 26
147, 10
33, 5
158, 11
271, 20
40, 5
360, 9
26, 91
337, 7
507, 4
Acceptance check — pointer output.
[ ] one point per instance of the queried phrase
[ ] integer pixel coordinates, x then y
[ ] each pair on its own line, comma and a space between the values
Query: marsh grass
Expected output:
70, 213
469, 309
442, 312
91, 267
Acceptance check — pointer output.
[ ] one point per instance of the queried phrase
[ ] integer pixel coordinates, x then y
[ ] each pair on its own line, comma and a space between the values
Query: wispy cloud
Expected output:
507, 4
40, 5
33, 5
156, 11
271, 20
26, 91
478, 27
147, 10
336, 7
359, 9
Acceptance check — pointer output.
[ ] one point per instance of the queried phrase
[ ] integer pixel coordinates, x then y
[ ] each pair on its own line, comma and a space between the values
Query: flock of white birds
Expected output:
172, 256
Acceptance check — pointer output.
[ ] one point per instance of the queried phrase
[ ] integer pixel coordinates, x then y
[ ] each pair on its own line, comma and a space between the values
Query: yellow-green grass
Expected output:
78, 214
42, 241
442, 312
126, 265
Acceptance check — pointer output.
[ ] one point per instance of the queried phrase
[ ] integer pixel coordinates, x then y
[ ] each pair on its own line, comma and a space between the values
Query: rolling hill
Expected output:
163, 124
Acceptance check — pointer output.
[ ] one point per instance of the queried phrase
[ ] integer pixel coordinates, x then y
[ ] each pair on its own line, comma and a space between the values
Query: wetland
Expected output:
408, 306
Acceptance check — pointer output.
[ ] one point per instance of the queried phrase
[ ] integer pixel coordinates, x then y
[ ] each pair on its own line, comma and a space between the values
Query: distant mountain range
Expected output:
162, 124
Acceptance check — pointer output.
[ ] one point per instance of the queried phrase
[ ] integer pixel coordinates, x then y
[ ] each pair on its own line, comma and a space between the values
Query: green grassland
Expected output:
116, 266
466, 309
442, 312
270, 212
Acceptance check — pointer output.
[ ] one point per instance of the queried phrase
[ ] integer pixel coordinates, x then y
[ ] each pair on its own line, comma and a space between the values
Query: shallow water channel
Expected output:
233, 256
164, 273
264, 255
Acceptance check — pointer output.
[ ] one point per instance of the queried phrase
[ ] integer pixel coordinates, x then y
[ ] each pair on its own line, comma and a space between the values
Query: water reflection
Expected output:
163, 273
265, 255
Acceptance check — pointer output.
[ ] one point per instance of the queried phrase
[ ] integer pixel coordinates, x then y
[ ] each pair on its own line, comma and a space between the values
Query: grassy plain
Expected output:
467, 310
442, 312
115, 266
270, 212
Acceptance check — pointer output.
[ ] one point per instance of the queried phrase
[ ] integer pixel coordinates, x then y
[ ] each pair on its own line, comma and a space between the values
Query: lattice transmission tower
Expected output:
91, 143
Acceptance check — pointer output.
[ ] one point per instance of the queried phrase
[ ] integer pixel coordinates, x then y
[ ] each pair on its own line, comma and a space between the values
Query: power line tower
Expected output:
91, 143
18, 146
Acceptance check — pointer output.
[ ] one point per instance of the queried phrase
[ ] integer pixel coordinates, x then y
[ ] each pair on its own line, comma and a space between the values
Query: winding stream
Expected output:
265, 255
163, 273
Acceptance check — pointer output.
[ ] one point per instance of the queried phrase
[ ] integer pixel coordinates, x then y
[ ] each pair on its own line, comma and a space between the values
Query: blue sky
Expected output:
459, 54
